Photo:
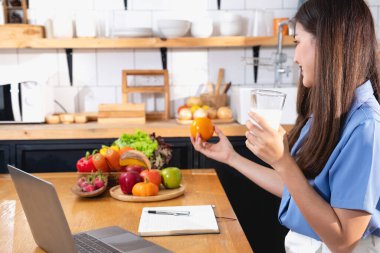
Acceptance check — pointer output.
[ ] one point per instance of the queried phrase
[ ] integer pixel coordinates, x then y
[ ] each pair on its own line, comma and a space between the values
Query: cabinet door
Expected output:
5, 158
255, 208
54, 155
182, 155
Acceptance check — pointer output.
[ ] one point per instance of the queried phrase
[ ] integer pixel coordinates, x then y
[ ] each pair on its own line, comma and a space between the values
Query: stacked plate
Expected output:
133, 32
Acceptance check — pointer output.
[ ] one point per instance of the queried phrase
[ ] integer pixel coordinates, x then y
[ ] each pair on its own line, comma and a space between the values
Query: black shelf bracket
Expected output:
126, 5
219, 3
69, 57
255, 54
164, 57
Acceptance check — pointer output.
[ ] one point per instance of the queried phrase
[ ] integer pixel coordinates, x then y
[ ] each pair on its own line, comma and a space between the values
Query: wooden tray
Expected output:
162, 195
214, 121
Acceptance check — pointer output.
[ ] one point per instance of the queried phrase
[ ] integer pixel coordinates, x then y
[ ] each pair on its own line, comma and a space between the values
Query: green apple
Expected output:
171, 177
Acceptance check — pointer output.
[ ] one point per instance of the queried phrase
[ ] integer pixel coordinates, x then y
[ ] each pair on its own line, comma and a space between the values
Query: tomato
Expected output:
145, 189
112, 157
100, 162
203, 126
153, 176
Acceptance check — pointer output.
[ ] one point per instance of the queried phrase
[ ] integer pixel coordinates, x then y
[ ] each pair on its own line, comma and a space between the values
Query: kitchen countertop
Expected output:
93, 130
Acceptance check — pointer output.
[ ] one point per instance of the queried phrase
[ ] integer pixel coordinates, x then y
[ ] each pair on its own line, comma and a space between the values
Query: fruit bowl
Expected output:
112, 177
78, 191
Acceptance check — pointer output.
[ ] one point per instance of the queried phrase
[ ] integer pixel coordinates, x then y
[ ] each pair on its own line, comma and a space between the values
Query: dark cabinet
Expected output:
62, 155
5, 157
255, 208
183, 155
54, 156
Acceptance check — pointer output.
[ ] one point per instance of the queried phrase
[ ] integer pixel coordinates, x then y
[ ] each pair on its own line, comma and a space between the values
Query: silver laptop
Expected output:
51, 231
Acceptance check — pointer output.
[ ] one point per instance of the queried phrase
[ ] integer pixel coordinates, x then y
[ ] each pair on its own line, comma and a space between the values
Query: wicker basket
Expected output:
215, 101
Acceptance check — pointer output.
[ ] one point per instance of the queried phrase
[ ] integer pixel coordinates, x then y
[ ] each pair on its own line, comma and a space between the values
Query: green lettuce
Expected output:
140, 141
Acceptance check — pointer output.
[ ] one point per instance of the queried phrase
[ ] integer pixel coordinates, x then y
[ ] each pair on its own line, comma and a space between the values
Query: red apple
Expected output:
153, 176
127, 180
134, 168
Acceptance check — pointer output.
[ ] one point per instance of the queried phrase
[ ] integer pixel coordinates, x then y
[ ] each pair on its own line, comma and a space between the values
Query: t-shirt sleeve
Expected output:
355, 175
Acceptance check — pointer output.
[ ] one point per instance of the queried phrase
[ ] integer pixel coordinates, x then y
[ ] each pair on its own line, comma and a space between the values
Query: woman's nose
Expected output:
295, 59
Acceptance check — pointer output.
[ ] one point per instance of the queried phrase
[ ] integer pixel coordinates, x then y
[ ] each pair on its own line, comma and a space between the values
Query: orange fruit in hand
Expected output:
203, 126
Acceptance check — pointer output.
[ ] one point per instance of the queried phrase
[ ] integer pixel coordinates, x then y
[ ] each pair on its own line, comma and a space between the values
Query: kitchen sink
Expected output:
240, 102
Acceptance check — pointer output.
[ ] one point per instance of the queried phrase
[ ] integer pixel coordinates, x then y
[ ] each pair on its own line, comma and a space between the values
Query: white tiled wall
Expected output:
97, 72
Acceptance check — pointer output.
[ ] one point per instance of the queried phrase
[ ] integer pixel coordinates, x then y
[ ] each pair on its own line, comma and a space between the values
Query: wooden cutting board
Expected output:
162, 195
21, 31
122, 113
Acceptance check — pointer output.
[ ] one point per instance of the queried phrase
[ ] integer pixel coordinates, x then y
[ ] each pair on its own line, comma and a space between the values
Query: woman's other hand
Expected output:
269, 145
222, 151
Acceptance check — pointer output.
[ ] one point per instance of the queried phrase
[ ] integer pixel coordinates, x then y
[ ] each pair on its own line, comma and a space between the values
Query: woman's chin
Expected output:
307, 83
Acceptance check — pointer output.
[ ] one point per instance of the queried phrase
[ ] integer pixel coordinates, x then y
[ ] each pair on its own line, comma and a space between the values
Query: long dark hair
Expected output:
345, 58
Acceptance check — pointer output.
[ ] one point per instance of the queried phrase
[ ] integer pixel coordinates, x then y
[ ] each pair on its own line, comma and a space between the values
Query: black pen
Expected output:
168, 212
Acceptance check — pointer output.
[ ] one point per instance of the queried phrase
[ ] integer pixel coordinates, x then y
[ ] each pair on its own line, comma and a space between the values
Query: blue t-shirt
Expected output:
351, 176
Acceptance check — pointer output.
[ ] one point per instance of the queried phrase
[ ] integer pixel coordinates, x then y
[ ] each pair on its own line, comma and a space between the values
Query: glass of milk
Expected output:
268, 104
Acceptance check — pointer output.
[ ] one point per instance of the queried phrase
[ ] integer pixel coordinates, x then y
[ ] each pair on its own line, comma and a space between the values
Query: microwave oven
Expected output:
24, 102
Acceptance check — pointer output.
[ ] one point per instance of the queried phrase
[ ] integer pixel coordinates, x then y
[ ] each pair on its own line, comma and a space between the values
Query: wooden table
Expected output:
202, 187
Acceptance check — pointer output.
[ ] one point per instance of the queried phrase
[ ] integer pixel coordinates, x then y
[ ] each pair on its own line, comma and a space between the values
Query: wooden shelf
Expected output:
184, 42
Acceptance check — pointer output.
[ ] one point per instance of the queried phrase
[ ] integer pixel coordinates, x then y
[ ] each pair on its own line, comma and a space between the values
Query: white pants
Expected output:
297, 243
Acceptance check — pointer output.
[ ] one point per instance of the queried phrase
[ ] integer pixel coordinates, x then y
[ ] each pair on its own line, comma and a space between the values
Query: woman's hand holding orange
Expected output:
222, 151
269, 145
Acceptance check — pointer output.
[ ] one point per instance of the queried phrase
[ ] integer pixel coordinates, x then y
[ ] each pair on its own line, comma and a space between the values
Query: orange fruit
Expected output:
203, 126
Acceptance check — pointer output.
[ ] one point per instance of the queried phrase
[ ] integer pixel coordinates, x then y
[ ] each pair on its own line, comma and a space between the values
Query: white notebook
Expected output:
201, 220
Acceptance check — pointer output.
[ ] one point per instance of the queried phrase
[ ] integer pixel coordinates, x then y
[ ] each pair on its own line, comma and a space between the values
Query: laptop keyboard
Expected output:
87, 243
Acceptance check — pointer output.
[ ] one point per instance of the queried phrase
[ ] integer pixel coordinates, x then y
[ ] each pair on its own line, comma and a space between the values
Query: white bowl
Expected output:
233, 28
202, 28
173, 28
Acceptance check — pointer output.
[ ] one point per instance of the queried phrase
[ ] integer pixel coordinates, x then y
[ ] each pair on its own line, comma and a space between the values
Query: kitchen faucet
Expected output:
277, 59
280, 57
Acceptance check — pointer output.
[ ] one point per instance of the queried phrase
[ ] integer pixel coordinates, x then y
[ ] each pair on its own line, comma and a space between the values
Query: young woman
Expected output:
327, 170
